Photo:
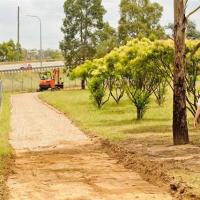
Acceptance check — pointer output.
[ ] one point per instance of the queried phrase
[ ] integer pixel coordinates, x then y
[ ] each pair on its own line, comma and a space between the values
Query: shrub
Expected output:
97, 87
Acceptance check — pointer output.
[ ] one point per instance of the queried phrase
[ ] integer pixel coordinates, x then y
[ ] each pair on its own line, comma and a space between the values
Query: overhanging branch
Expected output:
186, 2
192, 12
195, 50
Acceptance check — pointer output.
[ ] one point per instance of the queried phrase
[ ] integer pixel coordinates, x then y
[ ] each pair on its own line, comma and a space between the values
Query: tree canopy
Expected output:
108, 40
192, 32
9, 51
140, 18
141, 68
82, 21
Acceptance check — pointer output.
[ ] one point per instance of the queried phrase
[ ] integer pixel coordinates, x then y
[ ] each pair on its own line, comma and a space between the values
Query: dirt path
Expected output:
56, 161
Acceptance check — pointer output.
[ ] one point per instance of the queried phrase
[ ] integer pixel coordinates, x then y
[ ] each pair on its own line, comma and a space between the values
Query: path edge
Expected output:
153, 172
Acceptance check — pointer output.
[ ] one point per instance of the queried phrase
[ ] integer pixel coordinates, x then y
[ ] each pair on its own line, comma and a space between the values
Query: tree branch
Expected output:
186, 2
192, 12
195, 50
191, 107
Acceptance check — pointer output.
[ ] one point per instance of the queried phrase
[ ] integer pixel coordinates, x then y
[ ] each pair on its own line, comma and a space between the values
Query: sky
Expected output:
51, 14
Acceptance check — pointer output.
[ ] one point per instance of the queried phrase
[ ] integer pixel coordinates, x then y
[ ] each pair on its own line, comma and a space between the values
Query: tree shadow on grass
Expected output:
116, 111
132, 122
152, 120
149, 129
148, 140
115, 122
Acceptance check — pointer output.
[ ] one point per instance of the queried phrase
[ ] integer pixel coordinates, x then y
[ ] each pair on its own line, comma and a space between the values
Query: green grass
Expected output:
118, 122
5, 148
114, 122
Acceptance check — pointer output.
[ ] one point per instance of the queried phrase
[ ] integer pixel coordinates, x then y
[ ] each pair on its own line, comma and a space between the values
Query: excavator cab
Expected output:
50, 80
45, 75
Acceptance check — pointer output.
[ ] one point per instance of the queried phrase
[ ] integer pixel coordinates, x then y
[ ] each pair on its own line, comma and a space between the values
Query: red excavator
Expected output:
50, 80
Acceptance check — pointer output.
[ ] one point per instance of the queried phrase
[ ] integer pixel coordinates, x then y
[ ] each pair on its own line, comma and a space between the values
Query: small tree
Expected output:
114, 74
85, 71
161, 56
193, 70
141, 84
160, 91
116, 87
98, 87
140, 75
140, 99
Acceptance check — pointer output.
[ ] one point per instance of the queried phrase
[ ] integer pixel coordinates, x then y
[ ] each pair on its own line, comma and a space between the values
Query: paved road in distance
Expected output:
34, 65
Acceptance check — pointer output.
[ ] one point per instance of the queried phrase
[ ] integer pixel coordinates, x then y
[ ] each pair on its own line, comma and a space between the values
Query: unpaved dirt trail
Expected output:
56, 161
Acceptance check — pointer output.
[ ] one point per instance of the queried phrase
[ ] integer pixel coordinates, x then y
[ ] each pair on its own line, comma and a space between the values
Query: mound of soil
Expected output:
154, 167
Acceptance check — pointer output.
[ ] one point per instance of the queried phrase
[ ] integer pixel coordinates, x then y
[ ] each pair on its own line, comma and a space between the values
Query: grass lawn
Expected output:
117, 122
5, 148
5, 126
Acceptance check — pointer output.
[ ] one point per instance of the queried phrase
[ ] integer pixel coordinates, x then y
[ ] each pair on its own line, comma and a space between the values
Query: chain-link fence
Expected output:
28, 81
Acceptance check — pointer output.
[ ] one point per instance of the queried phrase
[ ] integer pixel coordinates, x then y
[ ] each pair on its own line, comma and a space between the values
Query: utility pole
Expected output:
40, 21
40, 41
18, 32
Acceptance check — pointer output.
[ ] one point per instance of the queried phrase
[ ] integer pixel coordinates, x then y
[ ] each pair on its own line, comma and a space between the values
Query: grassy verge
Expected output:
117, 122
107, 122
5, 149
151, 136
5, 126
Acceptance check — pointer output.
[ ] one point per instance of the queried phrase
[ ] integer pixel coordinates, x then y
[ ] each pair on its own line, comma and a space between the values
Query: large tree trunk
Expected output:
180, 128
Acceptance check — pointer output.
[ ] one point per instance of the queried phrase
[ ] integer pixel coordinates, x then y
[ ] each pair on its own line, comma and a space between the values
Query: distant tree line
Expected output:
48, 54
10, 52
